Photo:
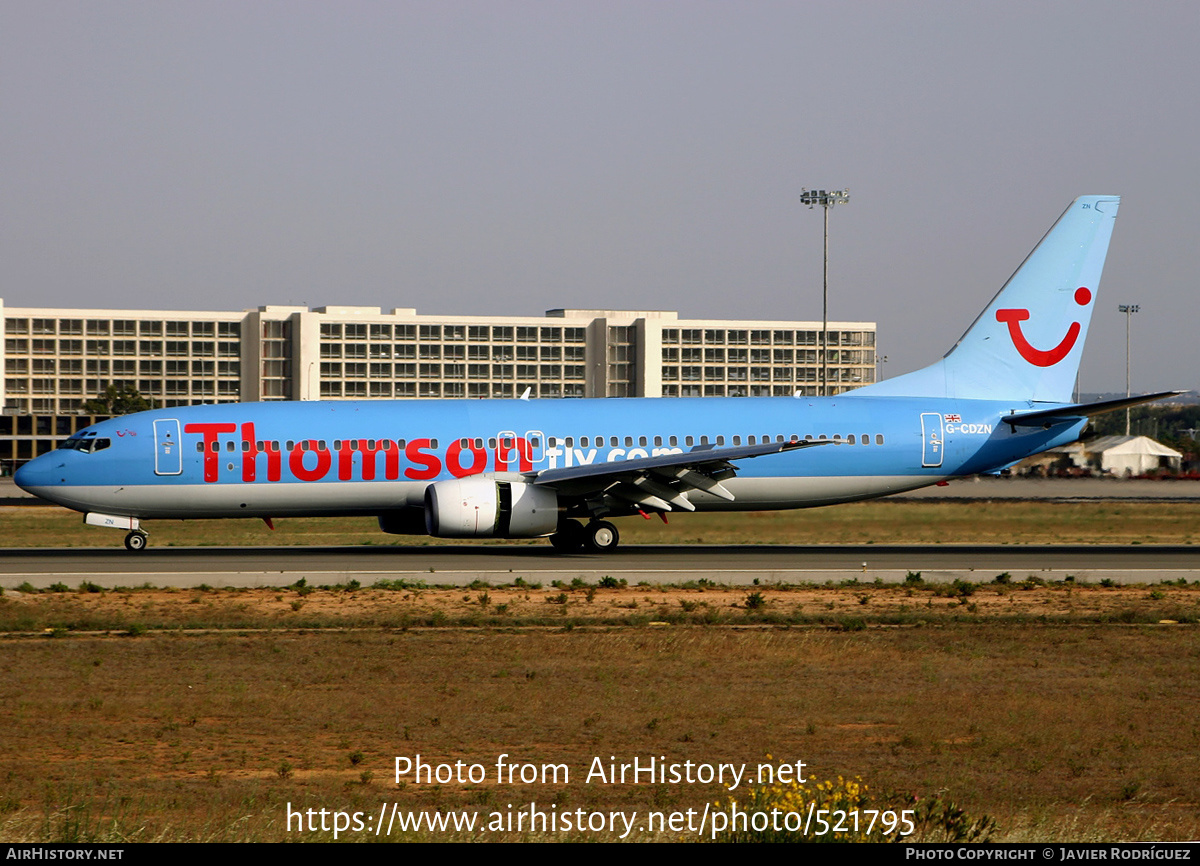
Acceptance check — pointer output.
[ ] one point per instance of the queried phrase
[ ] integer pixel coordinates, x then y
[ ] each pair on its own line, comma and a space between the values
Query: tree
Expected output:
118, 401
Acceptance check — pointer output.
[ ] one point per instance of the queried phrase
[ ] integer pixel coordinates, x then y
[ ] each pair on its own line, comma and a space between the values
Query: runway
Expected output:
460, 565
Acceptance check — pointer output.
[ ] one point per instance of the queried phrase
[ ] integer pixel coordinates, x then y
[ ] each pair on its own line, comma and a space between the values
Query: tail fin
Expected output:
1027, 343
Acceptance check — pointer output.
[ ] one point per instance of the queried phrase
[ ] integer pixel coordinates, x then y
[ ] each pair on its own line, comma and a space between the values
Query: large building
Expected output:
56, 359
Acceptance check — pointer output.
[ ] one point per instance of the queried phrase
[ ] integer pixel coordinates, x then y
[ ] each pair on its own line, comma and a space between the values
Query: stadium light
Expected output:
1128, 310
826, 199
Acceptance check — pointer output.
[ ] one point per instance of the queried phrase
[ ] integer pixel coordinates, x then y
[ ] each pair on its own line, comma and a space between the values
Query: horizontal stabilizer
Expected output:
1070, 414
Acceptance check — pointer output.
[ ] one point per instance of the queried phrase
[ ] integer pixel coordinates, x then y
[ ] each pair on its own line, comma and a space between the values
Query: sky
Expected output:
505, 158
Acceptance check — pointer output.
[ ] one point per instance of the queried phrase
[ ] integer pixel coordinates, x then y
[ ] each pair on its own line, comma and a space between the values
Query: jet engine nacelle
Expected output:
480, 507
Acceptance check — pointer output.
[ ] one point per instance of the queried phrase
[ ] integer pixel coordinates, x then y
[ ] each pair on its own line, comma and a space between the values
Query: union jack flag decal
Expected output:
953, 418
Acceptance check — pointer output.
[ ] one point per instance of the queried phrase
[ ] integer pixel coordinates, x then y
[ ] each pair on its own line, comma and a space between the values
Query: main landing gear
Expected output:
136, 540
599, 536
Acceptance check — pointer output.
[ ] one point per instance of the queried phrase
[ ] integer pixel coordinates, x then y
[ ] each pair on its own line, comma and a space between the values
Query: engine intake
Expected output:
479, 507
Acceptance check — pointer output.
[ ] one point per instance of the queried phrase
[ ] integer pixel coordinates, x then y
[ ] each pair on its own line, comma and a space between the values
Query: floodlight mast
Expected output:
1128, 310
826, 199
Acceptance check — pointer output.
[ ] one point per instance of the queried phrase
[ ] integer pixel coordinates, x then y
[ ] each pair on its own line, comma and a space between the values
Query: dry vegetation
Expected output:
1066, 712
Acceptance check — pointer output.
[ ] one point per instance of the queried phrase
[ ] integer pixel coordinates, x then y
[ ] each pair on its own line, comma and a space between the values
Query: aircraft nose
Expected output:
38, 473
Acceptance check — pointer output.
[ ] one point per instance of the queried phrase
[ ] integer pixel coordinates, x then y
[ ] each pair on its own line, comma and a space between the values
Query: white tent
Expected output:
1122, 455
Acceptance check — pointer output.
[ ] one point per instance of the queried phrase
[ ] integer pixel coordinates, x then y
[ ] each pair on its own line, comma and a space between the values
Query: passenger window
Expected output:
674, 440
688, 440
433, 443
641, 440
583, 441
737, 440
658, 440
628, 441
216, 446
878, 438
850, 439
720, 440
199, 446
570, 441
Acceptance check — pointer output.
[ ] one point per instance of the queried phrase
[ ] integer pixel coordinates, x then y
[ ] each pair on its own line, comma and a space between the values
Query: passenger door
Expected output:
932, 440
168, 449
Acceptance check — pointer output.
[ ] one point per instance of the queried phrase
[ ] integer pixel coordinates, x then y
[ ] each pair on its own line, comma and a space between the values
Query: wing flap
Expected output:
662, 482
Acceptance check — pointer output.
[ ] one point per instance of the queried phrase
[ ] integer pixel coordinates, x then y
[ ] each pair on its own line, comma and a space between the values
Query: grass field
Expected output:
1065, 712
879, 522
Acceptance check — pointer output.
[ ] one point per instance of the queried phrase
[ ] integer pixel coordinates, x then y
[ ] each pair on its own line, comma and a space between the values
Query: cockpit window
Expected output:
86, 445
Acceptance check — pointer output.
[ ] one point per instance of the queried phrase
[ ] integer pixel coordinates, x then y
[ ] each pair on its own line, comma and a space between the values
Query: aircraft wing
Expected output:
1067, 414
660, 483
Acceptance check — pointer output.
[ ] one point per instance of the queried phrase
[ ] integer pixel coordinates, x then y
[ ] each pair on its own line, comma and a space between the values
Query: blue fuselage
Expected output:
279, 459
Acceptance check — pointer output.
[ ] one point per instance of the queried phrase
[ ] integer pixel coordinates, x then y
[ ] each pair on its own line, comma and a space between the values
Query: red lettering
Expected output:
391, 459
296, 462
454, 459
504, 449
250, 454
386, 447
525, 455
345, 460
430, 461
212, 460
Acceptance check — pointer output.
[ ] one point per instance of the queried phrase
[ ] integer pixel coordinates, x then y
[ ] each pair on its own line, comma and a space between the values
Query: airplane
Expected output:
521, 468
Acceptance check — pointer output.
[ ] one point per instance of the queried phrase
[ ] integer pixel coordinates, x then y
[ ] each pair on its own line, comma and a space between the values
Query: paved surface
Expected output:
460, 565
259, 566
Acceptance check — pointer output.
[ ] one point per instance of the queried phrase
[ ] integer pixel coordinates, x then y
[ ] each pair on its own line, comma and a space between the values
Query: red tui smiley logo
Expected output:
1042, 357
